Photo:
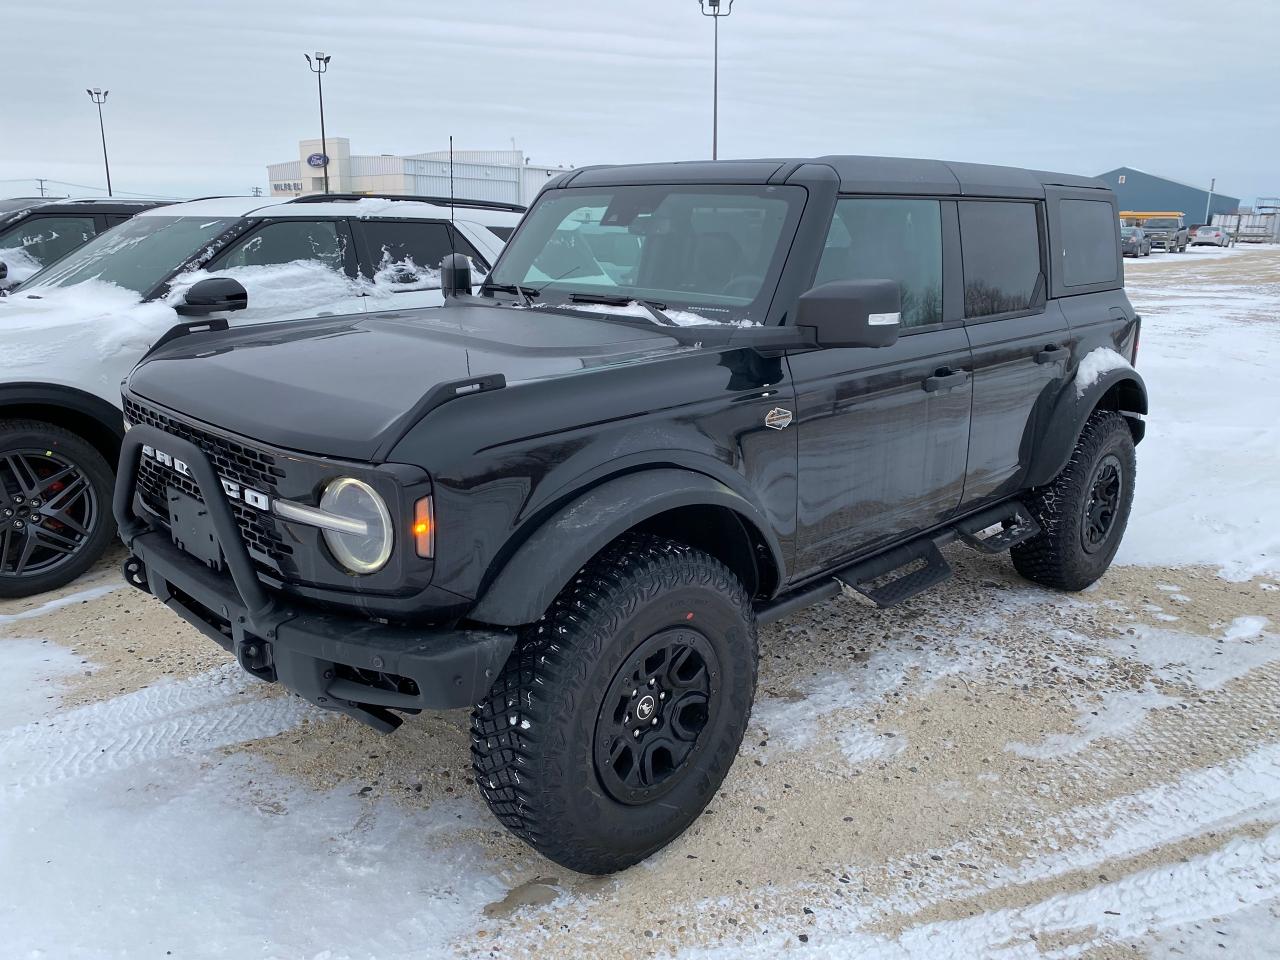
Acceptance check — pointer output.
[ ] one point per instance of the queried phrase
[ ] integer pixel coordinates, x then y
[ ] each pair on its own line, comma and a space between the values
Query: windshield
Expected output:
1161, 222
137, 255
1129, 231
714, 251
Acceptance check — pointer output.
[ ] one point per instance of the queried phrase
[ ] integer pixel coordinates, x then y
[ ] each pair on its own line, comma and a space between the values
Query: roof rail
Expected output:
438, 201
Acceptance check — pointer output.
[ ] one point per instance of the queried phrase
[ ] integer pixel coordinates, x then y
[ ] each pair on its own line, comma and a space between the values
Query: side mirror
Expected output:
455, 276
4, 270
213, 295
853, 313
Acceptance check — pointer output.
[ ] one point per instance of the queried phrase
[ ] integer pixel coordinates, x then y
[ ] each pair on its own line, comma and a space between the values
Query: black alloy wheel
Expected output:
1103, 505
55, 491
654, 712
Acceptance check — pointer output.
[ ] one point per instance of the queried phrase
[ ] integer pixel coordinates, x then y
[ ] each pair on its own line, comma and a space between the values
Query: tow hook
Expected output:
135, 574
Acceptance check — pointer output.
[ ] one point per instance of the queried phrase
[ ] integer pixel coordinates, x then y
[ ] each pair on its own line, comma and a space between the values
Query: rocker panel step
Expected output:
875, 578
1018, 525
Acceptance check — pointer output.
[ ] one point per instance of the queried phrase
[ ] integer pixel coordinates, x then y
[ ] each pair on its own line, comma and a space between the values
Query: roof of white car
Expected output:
366, 207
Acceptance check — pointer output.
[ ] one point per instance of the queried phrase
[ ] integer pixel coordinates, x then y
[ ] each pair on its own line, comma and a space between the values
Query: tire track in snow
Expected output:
80, 596
189, 717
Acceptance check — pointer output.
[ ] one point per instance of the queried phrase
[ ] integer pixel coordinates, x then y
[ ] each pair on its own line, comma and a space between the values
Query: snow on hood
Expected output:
21, 264
291, 288
1095, 364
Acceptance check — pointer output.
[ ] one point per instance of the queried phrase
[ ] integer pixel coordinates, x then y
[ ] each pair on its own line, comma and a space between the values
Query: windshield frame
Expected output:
759, 310
202, 252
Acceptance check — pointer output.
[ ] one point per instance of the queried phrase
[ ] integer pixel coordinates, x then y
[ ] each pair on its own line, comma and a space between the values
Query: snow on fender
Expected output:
1095, 364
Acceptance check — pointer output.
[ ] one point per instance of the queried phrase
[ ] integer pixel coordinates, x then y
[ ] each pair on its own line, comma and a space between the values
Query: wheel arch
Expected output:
1121, 390
83, 413
681, 505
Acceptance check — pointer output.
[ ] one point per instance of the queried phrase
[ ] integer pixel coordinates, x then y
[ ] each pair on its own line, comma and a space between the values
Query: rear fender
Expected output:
1122, 390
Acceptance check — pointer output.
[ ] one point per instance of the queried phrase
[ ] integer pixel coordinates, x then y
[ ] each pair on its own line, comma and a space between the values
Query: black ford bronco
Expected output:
689, 399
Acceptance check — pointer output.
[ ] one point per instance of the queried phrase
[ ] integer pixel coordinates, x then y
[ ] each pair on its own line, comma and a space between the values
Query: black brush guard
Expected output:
337, 661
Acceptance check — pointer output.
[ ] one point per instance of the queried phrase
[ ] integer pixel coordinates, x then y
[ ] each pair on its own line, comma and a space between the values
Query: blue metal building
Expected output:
1136, 190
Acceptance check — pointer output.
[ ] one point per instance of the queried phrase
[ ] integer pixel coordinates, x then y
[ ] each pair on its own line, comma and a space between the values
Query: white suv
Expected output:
73, 331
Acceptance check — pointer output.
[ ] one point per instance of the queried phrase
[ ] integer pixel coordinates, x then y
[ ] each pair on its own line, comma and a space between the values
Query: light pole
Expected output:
318, 67
1213, 182
100, 97
715, 9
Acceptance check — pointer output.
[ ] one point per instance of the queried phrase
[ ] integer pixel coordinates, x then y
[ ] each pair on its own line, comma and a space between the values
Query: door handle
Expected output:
944, 378
1052, 354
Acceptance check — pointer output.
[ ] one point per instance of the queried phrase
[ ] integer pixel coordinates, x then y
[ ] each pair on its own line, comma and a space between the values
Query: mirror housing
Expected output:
455, 276
853, 313
213, 295
4, 270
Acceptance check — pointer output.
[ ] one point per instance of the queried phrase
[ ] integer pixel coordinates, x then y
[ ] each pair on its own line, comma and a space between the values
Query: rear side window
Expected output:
1088, 242
1000, 243
875, 239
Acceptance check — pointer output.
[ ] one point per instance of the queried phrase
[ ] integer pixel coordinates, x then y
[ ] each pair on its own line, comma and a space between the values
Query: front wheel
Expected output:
55, 506
619, 713
1083, 511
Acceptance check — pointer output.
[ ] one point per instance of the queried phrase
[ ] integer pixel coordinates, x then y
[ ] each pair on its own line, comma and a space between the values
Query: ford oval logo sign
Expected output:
317, 160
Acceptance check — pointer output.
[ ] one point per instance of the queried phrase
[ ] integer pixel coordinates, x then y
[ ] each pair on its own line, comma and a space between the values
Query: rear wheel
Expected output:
1084, 510
55, 506
619, 713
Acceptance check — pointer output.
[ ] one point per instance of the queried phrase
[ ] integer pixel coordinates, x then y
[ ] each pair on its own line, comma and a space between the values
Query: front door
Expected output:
1020, 344
883, 432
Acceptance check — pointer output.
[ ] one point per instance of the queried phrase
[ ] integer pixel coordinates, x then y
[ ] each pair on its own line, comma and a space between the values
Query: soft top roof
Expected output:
896, 175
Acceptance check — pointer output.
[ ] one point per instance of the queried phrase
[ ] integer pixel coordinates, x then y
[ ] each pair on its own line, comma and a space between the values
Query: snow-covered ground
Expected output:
989, 771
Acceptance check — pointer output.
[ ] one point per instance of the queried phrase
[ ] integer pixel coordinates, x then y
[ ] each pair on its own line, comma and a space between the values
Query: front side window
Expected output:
287, 241
714, 251
137, 255
1000, 243
43, 240
885, 239
1088, 242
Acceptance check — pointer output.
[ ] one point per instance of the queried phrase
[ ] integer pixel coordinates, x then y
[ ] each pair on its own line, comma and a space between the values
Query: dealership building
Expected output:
1136, 190
502, 175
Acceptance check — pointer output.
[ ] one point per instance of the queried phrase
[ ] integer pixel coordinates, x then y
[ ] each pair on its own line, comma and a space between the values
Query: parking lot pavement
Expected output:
987, 769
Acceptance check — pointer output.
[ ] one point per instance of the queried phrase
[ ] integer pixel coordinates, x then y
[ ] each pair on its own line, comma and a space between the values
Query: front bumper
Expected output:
339, 662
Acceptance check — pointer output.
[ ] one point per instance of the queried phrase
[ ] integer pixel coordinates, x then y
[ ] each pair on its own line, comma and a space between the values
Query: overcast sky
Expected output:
203, 96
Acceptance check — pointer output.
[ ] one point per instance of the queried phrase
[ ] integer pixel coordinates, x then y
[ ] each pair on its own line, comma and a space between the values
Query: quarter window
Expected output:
287, 241
884, 239
1088, 242
1000, 241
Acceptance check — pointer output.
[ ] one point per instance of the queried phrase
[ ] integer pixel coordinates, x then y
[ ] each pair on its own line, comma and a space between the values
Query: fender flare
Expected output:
550, 557
86, 407
1068, 416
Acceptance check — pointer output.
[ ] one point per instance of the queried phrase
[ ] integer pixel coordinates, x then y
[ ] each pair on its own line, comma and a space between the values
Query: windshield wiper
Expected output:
654, 307
528, 293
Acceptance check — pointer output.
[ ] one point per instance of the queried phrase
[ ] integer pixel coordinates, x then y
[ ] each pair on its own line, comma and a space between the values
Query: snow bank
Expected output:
1207, 469
1094, 365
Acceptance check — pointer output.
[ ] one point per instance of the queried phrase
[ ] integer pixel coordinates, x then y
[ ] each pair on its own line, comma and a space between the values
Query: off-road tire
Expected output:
534, 737
1057, 556
68, 446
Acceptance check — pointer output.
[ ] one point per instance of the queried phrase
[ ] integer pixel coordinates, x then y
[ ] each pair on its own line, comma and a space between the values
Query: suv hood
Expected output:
337, 387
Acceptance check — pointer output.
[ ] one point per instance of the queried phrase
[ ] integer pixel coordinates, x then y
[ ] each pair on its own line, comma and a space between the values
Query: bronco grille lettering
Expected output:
234, 491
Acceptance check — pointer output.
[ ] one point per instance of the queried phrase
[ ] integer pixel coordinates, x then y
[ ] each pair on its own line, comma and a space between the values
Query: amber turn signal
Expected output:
424, 528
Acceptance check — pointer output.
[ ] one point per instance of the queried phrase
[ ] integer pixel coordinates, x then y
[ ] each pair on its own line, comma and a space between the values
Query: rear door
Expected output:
402, 257
883, 432
1020, 340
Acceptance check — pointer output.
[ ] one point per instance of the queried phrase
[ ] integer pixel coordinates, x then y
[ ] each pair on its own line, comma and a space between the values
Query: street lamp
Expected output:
715, 9
100, 97
318, 67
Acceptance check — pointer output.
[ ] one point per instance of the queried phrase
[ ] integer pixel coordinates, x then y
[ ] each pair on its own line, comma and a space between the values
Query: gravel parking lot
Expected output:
990, 770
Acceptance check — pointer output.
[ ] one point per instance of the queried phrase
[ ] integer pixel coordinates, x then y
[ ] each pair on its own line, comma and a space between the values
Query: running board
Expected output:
1017, 525
898, 575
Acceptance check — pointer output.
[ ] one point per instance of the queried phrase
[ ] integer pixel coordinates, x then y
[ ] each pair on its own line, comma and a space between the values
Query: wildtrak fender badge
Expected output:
778, 419
234, 491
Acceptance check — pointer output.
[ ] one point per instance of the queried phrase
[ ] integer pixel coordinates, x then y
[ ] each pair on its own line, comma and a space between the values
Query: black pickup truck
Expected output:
689, 399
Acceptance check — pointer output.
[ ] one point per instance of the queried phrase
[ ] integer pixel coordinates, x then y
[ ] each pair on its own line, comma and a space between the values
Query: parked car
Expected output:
568, 502
1167, 233
1134, 242
1211, 236
73, 331
35, 232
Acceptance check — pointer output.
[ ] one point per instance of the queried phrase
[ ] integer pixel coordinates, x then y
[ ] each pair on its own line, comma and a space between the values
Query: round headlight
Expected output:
356, 500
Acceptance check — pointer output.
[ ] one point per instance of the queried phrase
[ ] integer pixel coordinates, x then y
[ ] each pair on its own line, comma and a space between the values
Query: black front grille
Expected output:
235, 461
